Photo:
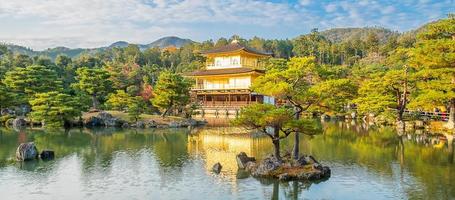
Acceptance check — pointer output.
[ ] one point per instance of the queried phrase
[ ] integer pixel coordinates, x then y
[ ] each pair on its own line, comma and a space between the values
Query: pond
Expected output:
366, 163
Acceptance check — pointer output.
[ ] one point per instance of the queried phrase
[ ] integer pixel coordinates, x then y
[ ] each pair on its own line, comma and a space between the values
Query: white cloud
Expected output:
88, 23
305, 2
133, 20
330, 8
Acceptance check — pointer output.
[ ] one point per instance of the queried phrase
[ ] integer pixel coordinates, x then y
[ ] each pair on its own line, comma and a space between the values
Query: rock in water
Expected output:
140, 124
103, 119
307, 168
19, 123
47, 155
217, 168
266, 167
305, 160
284, 177
125, 125
243, 159
26, 151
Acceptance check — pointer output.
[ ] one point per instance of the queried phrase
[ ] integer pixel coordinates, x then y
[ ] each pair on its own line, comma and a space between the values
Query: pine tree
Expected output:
434, 57
54, 109
300, 83
26, 82
94, 82
135, 107
171, 90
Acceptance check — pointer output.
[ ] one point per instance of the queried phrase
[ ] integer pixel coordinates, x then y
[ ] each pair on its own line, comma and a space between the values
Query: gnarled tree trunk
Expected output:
276, 143
94, 102
276, 149
296, 150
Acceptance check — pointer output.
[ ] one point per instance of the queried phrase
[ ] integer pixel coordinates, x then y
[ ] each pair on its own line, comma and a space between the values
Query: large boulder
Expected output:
125, 125
104, 119
140, 124
306, 168
217, 168
306, 160
19, 123
109, 120
178, 124
26, 151
47, 155
243, 159
266, 168
93, 121
150, 124
192, 122
7, 111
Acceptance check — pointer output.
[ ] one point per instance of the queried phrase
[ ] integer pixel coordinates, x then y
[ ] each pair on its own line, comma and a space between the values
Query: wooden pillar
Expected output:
249, 98
229, 97
204, 100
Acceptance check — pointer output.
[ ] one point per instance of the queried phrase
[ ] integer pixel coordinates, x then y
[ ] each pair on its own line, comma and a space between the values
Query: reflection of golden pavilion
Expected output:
215, 146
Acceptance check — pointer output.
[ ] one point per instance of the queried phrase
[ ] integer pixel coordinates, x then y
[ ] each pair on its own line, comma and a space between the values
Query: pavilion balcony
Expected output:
225, 104
221, 87
238, 65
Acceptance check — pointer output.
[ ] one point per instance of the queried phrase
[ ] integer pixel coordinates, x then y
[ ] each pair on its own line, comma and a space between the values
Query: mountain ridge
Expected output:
74, 52
334, 35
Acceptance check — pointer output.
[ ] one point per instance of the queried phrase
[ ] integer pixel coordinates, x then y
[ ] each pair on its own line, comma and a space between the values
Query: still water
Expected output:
366, 163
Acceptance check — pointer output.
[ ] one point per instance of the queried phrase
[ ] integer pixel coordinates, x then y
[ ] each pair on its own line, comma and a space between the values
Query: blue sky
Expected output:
41, 24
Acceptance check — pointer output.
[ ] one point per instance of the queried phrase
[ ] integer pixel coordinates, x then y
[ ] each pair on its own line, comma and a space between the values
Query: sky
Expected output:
42, 24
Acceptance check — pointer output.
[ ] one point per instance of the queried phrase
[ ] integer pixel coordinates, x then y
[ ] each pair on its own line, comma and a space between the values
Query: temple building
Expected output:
225, 82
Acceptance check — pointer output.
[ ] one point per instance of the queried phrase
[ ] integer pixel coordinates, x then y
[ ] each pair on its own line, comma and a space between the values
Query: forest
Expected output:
375, 70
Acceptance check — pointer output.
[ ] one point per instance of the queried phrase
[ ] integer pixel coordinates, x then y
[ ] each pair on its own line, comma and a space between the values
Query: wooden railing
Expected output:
223, 87
224, 103
443, 116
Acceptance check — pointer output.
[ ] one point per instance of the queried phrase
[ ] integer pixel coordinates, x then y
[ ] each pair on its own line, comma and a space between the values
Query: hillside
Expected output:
53, 52
169, 41
345, 34
335, 35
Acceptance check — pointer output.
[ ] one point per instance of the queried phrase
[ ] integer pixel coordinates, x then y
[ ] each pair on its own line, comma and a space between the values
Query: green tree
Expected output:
221, 42
434, 57
62, 61
89, 61
301, 85
275, 122
54, 109
386, 92
171, 90
21, 60
372, 42
313, 44
31, 80
6, 97
136, 107
95, 82
65, 69
118, 100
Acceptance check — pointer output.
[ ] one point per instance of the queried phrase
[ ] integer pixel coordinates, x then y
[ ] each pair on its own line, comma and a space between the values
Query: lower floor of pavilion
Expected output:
227, 100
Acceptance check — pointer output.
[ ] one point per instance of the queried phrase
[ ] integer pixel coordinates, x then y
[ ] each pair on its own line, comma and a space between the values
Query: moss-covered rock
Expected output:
305, 168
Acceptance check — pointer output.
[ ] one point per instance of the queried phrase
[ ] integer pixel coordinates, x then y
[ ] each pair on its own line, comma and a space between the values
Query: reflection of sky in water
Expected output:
169, 164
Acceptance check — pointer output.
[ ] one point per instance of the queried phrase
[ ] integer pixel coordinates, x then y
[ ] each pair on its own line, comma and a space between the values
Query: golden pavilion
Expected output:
226, 80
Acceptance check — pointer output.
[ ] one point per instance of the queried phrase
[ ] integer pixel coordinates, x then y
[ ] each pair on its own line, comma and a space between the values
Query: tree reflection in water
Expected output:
420, 163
